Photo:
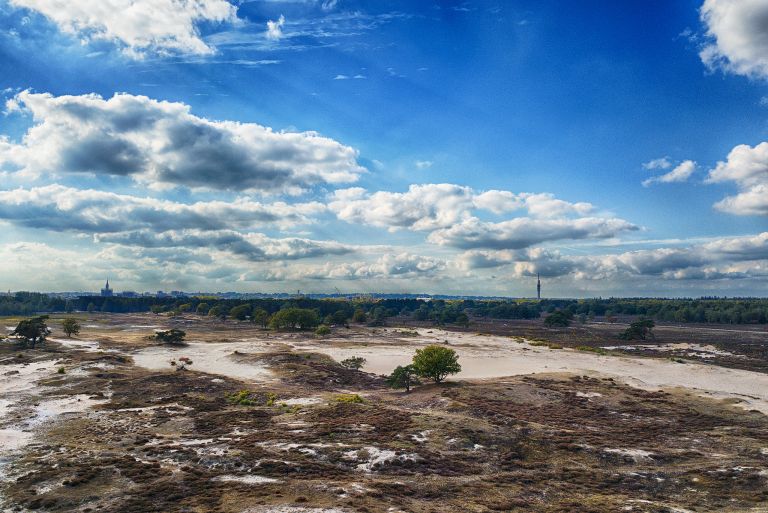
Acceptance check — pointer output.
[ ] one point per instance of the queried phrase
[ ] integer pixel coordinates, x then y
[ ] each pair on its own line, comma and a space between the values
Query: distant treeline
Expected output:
703, 310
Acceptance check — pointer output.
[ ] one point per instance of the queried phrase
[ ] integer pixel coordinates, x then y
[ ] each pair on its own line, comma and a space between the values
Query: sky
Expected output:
432, 147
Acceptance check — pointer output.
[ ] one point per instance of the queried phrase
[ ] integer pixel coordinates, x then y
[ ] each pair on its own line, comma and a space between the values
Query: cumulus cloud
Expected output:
434, 206
254, 247
523, 232
275, 28
747, 167
55, 207
727, 258
681, 173
390, 266
660, 163
423, 207
162, 143
738, 36
139, 27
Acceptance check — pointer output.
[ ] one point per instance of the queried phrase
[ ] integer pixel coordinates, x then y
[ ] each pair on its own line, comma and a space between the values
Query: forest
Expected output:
461, 311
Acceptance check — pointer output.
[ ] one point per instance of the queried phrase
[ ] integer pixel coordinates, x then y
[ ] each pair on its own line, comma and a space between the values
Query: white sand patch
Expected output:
213, 358
85, 345
51, 408
636, 455
249, 479
589, 394
421, 437
490, 356
303, 401
373, 456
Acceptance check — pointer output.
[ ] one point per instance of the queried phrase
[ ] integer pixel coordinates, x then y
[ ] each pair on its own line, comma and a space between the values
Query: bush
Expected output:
557, 320
260, 317
323, 330
359, 316
172, 336
436, 362
639, 330
295, 318
349, 398
32, 330
182, 363
70, 326
202, 309
240, 312
218, 311
355, 362
403, 377
242, 398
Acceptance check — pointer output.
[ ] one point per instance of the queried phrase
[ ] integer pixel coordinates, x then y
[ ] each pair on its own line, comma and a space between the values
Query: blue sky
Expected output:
437, 147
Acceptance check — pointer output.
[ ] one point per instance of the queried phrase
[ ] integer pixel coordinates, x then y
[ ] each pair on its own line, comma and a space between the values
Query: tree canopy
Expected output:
33, 330
436, 362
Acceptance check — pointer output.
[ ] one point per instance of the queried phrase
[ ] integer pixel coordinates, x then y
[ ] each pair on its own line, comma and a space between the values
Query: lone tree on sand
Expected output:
70, 327
436, 362
172, 336
403, 377
32, 330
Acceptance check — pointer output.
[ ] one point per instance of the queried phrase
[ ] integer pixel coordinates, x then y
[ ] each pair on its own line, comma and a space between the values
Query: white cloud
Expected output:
162, 143
681, 173
423, 207
660, 163
139, 27
59, 208
424, 164
275, 28
738, 33
523, 232
747, 167
433, 206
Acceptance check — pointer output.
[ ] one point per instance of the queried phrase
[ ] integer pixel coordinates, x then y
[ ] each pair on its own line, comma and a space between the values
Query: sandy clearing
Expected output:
485, 357
213, 358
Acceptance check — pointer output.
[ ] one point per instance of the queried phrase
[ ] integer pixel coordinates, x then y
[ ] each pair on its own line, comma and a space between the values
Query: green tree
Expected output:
157, 309
70, 326
218, 311
339, 317
32, 330
240, 312
260, 317
172, 336
354, 362
295, 318
186, 307
436, 362
359, 316
323, 330
403, 377
557, 320
639, 330
91, 307
462, 319
202, 309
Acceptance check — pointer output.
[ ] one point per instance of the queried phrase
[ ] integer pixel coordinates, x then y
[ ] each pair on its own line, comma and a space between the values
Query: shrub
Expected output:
557, 319
295, 318
172, 336
240, 312
597, 350
436, 362
61, 370
323, 330
182, 363
70, 326
242, 398
202, 309
359, 316
639, 330
403, 377
355, 362
349, 398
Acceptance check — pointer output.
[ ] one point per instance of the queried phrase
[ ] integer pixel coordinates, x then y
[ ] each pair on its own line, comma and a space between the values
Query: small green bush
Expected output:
323, 330
349, 398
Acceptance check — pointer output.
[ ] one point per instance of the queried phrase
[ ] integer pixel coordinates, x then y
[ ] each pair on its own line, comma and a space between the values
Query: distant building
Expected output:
538, 286
107, 291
